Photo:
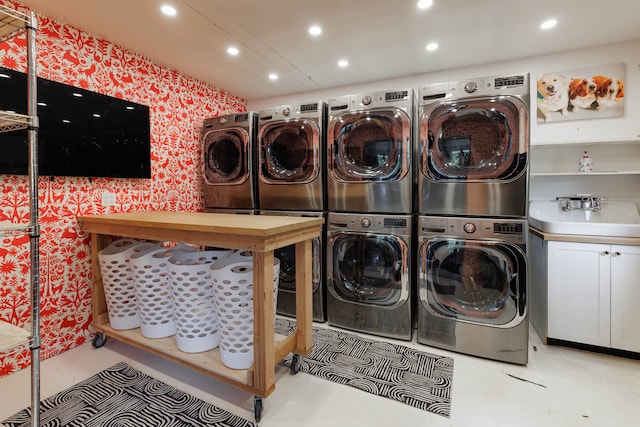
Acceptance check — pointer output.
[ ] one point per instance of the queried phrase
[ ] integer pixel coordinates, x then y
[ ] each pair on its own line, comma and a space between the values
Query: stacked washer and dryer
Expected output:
472, 217
370, 180
427, 232
290, 146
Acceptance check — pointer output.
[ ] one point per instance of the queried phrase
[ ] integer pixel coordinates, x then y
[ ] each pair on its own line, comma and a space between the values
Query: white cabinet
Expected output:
594, 294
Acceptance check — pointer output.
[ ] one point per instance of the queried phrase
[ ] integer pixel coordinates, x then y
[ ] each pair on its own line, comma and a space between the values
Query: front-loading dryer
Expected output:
369, 273
286, 304
229, 176
472, 286
473, 150
370, 152
291, 147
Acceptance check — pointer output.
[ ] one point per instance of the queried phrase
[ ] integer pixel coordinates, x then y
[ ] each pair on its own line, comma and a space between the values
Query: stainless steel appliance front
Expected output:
369, 153
287, 285
291, 145
229, 178
474, 142
369, 272
472, 286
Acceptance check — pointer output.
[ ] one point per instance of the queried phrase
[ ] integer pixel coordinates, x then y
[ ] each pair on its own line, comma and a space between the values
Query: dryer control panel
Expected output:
512, 230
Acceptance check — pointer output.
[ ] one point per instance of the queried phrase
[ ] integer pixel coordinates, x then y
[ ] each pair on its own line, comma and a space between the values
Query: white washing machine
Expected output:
228, 169
369, 273
291, 147
369, 153
472, 286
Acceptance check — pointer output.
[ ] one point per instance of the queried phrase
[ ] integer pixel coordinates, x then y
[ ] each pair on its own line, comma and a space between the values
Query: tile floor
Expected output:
564, 387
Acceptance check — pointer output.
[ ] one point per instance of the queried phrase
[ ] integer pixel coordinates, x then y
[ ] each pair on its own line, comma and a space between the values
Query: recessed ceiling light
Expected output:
432, 46
315, 30
232, 50
5, 76
550, 23
343, 63
79, 95
96, 115
425, 4
168, 10
42, 104
273, 76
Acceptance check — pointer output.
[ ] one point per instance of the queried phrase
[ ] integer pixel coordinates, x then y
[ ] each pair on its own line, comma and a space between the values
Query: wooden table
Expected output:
261, 234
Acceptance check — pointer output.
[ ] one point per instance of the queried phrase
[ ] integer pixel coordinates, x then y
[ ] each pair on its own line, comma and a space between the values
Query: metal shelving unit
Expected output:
12, 337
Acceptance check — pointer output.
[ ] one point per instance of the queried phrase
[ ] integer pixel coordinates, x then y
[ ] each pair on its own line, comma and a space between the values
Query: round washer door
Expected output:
287, 257
478, 281
369, 269
226, 156
370, 145
289, 152
474, 140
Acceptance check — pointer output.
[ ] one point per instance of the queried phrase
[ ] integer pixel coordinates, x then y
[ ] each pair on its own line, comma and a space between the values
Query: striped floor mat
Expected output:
123, 396
416, 378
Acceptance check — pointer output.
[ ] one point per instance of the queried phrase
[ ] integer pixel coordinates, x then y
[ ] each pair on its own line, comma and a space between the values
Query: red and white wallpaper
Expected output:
178, 104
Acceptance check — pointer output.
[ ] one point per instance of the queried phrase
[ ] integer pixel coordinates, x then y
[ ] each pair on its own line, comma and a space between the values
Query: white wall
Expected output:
626, 128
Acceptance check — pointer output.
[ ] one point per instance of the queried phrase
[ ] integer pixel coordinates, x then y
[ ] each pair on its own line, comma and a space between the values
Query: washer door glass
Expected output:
480, 139
369, 269
473, 280
370, 146
289, 151
226, 156
287, 257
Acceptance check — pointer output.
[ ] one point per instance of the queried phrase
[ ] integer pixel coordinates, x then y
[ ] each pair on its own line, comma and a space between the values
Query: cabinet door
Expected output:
579, 297
625, 297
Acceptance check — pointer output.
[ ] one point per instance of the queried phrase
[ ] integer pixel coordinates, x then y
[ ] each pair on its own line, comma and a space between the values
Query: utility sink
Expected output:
615, 218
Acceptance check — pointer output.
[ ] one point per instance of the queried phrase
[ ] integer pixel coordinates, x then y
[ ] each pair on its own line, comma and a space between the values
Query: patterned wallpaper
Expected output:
178, 104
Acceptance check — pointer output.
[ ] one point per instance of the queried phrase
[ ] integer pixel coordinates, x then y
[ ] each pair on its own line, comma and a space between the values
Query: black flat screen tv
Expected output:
81, 133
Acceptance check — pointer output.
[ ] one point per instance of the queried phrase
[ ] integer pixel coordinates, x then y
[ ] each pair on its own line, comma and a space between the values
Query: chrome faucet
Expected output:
580, 201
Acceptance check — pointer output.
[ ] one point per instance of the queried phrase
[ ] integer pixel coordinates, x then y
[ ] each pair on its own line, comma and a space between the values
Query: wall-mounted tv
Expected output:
82, 133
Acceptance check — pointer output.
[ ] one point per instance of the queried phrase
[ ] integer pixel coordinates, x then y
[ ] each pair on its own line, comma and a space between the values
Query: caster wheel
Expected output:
296, 363
257, 408
99, 340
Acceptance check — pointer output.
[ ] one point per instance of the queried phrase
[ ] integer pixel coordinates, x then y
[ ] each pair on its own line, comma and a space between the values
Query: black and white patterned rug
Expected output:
413, 377
123, 396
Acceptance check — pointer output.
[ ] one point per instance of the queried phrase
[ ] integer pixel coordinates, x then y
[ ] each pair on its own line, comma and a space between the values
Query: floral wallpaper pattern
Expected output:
178, 104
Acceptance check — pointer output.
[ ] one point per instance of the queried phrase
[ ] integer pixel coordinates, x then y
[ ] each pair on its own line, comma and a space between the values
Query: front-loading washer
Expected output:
369, 153
286, 304
473, 147
291, 148
472, 279
369, 273
228, 169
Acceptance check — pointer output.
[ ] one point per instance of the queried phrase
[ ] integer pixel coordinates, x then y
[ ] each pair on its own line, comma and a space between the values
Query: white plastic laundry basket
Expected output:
153, 291
119, 287
233, 300
191, 286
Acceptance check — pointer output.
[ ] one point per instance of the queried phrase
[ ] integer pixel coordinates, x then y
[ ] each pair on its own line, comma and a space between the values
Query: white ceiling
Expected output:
381, 38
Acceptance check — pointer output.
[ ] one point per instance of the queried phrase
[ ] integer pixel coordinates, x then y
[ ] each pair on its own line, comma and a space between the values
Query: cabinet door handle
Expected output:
603, 253
616, 253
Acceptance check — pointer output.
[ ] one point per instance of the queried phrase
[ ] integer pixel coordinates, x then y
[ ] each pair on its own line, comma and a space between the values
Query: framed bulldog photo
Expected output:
587, 93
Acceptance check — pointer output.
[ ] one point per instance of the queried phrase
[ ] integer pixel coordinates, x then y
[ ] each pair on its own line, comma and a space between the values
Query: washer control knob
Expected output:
366, 100
365, 222
223, 120
286, 112
470, 227
470, 87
